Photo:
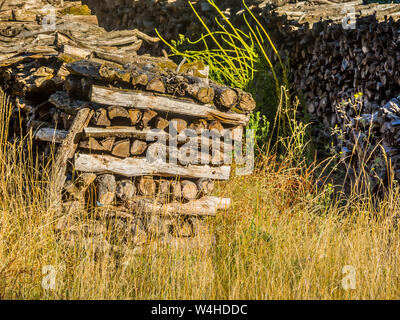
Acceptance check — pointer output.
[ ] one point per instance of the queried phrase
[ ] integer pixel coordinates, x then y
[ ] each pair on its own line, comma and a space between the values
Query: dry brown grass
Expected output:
280, 240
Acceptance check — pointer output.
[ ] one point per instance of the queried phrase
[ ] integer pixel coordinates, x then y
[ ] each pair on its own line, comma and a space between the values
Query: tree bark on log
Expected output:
131, 167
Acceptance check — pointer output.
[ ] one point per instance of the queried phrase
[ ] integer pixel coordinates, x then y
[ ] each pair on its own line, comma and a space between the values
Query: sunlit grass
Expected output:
282, 239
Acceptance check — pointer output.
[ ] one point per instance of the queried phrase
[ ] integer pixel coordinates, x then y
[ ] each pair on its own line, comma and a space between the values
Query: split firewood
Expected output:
118, 113
106, 188
121, 149
161, 123
100, 118
179, 124
148, 115
135, 116
102, 145
125, 190
216, 126
156, 85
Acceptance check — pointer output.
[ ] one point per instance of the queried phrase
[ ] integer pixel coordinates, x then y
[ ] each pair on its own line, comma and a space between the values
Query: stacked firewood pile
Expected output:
133, 137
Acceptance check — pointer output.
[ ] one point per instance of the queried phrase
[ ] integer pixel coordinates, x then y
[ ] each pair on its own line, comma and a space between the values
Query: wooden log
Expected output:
246, 101
224, 96
178, 124
163, 187
106, 187
135, 116
75, 51
51, 135
148, 115
189, 190
174, 106
205, 186
85, 180
63, 101
138, 147
125, 132
161, 123
153, 135
102, 145
100, 118
200, 92
176, 189
117, 112
216, 126
121, 149
156, 85
147, 186
65, 152
206, 206
126, 190
130, 167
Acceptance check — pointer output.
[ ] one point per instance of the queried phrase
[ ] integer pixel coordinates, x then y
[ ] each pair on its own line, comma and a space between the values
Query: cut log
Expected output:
125, 190
141, 101
224, 96
206, 206
121, 149
201, 93
138, 147
189, 190
75, 52
205, 186
51, 135
106, 187
147, 186
130, 167
246, 101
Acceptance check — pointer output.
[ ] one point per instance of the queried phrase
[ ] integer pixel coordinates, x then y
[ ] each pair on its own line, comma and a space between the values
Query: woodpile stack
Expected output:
132, 136
348, 79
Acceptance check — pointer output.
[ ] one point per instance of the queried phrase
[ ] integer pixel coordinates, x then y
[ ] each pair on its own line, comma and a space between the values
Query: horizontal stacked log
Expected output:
123, 127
